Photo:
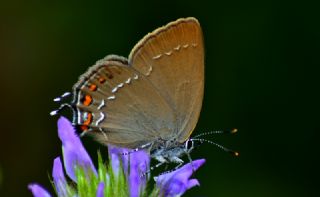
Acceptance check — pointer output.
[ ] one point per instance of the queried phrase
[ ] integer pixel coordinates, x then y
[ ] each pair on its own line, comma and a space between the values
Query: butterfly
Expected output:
152, 100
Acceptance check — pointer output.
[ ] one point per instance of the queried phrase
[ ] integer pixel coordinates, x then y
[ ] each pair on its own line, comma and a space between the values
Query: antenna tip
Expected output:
234, 130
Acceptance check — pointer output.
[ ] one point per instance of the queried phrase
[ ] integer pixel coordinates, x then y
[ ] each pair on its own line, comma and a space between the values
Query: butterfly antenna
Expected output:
235, 153
216, 132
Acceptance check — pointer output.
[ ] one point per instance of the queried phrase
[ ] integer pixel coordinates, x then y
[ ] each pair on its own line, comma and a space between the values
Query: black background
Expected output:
262, 77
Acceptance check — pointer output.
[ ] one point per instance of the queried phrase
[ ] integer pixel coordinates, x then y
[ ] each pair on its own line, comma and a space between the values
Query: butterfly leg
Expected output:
144, 146
161, 160
187, 151
177, 160
190, 159
152, 168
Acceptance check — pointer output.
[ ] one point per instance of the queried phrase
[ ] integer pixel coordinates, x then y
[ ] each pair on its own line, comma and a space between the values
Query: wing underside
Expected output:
155, 94
120, 106
172, 58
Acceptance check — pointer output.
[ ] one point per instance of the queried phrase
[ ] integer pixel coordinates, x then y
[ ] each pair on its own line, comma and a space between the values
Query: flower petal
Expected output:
38, 191
59, 178
73, 151
115, 155
192, 183
177, 182
139, 163
100, 190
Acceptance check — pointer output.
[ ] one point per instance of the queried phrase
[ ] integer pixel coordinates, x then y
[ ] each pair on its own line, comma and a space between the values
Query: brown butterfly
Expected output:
152, 100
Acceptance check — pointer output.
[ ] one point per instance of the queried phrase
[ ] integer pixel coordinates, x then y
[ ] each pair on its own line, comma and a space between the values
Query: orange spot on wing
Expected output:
84, 127
88, 120
102, 80
93, 87
87, 100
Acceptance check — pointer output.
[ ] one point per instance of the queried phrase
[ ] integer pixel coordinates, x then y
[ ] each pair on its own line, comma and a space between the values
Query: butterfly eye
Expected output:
189, 144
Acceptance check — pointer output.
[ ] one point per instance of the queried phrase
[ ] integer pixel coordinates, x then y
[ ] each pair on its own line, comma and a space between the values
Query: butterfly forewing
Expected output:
121, 106
172, 59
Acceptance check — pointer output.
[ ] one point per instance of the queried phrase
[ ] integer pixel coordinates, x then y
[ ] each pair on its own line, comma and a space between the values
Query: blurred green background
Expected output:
262, 77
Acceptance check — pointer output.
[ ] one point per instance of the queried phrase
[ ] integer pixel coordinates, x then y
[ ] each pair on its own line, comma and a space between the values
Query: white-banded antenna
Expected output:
235, 153
216, 132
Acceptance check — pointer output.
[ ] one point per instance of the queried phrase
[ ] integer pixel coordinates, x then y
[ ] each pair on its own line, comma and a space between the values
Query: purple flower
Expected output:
75, 157
139, 163
59, 179
73, 151
100, 190
38, 191
177, 182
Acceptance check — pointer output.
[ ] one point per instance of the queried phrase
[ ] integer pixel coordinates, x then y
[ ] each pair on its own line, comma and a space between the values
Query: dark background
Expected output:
262, 77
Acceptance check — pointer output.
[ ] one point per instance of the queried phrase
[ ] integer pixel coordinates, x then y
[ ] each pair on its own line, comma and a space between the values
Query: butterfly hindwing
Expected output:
119, 106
